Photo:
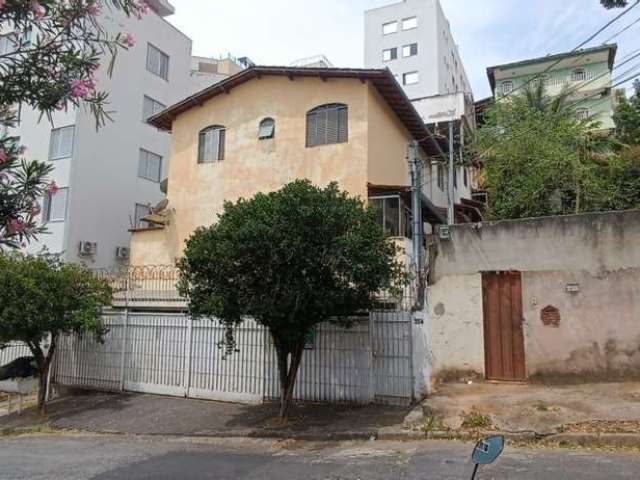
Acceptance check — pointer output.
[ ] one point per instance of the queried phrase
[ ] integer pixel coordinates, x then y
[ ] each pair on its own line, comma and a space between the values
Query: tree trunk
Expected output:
42, 388
44, 364
288, 372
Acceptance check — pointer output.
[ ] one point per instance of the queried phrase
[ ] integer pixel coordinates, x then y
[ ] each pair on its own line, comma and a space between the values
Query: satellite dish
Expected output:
161, 206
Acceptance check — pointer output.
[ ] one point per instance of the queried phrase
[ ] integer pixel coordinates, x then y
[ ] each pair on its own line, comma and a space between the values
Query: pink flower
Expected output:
142, 8
3, 154
17, 226
38, 10
2, 2
79, 89
128, 40
22, 150
35, 210
93, 9
53, 188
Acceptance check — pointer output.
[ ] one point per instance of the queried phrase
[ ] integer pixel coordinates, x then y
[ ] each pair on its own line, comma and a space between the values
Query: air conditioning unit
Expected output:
122, 253
87, 249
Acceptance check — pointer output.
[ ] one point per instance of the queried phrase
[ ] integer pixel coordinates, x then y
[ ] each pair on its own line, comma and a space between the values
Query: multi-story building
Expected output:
267, 126
584, 74
108, 178
413, 39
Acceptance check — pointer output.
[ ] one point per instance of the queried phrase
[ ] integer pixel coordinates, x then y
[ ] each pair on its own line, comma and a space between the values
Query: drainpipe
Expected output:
451, 215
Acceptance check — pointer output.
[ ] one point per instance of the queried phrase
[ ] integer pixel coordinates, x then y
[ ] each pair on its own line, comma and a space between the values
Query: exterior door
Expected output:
503, 336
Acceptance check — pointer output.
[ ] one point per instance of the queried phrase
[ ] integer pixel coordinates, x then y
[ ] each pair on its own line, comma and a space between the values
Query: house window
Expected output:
61, 143
267, 129
410, 50
328, 124
141, 211
54, 206
150, 107
410, 78
440, 176
507, 87
583, 114
389, 54
393, 215
390, 27
409, 23
211, 144
149, 166
578, 75
157, 62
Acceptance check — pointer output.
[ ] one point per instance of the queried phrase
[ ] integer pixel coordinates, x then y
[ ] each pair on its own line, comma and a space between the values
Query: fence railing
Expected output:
12, 352
172, 354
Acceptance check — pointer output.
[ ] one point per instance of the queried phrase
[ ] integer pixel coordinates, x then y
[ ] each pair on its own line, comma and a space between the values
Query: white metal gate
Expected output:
171, 354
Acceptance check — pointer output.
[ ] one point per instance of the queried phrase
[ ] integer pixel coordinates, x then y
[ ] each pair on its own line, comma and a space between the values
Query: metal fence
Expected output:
12, 352
172, 354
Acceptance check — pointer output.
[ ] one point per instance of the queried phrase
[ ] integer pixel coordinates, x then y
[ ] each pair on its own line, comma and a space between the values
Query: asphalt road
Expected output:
132, 458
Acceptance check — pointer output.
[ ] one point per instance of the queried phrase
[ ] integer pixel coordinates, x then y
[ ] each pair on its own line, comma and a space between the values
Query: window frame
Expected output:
47, 203
222, 138
404, 20
582, 73
410, 46
583, 114
145, 175
150, 47
440, 180
262, 135
154, 103
313, 119
386, 24
138, 223
503, 87
405, 75
393, 54
64, 155
405, 218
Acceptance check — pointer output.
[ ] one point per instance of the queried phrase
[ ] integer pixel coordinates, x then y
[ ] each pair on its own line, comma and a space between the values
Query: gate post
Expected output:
186, 374
372, 363
123, 355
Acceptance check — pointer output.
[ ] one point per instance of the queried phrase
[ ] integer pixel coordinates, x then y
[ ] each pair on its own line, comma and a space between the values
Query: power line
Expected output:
602, 29
620, 32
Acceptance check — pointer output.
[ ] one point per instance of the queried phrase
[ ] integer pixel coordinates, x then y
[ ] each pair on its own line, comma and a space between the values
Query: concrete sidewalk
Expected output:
157, 415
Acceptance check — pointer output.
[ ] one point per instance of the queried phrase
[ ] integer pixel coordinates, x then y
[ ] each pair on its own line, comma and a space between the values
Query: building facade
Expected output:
265, 127
413, 40
109, 178
585, 74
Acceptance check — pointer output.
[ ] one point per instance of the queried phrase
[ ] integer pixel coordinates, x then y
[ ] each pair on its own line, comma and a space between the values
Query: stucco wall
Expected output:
454, 326
197, 191
597, 254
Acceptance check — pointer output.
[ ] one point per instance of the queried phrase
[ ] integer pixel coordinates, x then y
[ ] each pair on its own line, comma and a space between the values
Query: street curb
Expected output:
626, 440
616, 440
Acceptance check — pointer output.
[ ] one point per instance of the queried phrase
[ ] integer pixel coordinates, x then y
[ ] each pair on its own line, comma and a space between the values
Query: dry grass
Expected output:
476, 420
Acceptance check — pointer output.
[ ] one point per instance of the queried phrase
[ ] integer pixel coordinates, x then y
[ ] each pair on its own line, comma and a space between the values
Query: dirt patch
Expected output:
604, 426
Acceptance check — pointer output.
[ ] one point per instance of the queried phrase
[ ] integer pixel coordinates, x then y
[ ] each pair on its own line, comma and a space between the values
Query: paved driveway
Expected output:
120, 458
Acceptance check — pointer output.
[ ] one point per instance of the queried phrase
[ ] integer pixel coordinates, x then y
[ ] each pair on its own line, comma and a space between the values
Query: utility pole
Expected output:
451, 215
415, 167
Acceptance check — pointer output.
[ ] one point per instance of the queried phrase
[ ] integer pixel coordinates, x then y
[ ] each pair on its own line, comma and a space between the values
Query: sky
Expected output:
488, 32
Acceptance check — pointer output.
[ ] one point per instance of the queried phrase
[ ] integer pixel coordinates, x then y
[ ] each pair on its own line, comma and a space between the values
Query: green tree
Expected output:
609, 4
42, 299
48, 62
290, 259
627, 117
539, 159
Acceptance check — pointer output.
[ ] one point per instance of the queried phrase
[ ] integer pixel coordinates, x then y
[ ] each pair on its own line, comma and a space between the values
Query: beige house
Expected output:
267, 126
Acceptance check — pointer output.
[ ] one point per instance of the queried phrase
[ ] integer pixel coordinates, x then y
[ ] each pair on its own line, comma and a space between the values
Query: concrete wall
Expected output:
597, 254
197, 191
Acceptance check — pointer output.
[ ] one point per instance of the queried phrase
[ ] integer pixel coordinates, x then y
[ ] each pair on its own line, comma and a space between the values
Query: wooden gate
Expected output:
503, 336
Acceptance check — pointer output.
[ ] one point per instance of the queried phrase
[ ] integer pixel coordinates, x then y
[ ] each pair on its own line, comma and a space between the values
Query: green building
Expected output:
586, 73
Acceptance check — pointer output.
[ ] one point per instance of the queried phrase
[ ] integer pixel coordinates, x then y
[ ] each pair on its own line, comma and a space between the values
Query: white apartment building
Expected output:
413, 39
108, 178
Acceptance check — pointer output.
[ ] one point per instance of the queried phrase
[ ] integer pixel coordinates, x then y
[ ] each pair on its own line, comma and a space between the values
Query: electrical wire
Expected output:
591, 37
